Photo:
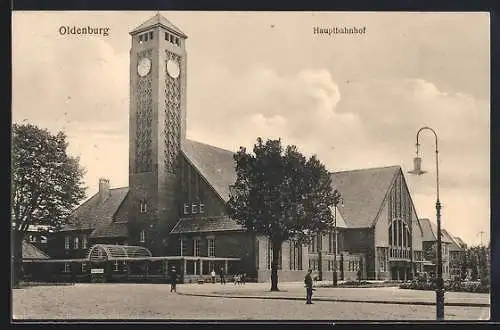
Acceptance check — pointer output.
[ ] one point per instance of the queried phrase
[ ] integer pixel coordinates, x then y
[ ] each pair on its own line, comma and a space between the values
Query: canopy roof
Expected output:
103, 252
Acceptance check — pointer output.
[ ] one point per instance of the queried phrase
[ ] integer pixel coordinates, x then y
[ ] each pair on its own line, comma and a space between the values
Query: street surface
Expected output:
154, 301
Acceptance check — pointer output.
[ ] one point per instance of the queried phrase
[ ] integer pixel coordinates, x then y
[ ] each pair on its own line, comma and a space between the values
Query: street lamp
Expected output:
417, 162
336, 200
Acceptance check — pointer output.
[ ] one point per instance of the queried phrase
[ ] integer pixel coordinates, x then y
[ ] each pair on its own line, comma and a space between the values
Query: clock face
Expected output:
144, 66
173, 68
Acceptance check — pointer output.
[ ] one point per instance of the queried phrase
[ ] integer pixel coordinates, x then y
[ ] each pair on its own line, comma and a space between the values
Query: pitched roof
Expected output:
115, 229
363, 192
216, 165
455, 246
32, 252
206, 224
96, 213
460, 242
161, 21
429, 229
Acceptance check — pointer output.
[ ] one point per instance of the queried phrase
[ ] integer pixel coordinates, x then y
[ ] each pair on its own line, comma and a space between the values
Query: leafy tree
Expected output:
280, 194
46, 184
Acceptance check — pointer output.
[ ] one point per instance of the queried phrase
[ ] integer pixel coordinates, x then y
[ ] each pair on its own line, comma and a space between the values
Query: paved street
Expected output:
296, 289
154, 301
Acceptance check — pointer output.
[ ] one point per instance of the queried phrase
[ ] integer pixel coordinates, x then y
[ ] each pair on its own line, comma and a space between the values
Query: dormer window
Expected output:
144, 207
193, 208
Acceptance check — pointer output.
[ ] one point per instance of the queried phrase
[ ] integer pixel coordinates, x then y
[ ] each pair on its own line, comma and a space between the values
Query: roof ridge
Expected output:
209, 145
367, 169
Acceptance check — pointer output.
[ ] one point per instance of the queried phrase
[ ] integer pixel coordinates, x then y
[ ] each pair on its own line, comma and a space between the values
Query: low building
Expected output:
429, 243
457, 256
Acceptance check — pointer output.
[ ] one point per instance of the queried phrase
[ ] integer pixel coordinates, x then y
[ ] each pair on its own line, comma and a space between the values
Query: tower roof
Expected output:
158, 20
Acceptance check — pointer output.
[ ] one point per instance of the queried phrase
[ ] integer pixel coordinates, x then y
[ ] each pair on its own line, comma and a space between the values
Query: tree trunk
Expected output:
274, 265
17, 257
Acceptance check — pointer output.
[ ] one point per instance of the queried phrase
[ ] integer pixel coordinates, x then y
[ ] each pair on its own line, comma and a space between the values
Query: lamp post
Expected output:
336, 199
417, 162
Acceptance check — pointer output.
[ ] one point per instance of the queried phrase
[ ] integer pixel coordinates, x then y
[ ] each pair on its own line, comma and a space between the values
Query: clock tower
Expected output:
157, 130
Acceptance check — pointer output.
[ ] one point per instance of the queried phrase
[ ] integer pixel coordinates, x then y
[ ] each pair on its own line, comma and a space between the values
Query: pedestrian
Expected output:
359, 275
222, 276
173, 280
213, 275
243, 278
309, 287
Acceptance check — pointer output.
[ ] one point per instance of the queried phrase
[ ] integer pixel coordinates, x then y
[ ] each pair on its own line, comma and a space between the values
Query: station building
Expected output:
174, 206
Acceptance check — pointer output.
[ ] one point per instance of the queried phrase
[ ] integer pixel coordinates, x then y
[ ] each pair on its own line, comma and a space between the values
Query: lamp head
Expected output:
417, 167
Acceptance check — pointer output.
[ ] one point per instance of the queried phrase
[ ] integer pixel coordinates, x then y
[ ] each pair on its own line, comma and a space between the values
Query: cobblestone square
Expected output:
154, 301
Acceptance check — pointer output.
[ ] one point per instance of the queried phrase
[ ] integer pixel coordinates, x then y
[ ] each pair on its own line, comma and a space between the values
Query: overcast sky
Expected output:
356, 101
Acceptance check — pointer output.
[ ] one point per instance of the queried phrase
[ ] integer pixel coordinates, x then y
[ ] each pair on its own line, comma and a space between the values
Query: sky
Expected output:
356, 101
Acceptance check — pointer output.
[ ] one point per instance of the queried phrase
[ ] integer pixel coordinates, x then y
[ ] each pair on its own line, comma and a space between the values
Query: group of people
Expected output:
240, 279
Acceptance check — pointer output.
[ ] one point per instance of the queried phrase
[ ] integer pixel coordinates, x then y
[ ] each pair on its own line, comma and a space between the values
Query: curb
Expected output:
423, 303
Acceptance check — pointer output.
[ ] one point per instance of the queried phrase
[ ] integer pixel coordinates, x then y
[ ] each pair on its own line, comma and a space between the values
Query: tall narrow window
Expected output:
186, 208
202, 208
151, 35
66, 242
84, 267
181, 246
142, 236
196, 247
144, 207
193, 208
84, 241
75, 246
211, 247
67, 267
116, 266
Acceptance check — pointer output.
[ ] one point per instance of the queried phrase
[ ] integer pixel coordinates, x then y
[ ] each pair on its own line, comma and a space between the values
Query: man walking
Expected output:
222, 276
309, 287
173, 280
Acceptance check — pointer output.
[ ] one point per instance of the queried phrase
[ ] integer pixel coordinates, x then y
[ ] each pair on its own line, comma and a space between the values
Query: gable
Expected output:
215, 165
29, 251
400, 203
430, 232
95, 212
364, 192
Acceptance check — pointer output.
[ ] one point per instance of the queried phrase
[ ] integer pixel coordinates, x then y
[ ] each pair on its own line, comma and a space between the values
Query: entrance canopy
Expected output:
105, 252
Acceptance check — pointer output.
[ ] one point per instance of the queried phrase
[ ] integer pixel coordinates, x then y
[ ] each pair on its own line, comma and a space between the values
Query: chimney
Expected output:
103, 189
